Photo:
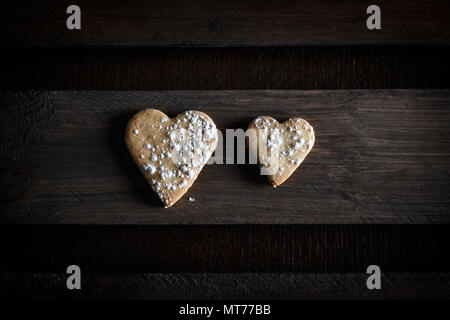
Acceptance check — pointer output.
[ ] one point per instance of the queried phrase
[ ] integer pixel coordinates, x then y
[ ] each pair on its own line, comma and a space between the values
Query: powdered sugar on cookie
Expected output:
174, 150
287, 144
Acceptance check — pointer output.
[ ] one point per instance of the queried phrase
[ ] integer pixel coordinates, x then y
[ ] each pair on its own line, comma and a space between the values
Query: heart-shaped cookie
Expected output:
171, 152
280, 148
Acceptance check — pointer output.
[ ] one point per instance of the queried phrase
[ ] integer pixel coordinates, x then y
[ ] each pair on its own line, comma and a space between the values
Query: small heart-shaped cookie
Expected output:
171, 152
280, 148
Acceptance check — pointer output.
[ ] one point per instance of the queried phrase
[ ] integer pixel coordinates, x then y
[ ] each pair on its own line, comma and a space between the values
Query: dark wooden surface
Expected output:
224, 23
234, 286
121, 261
225, 248
381, 156
342, 67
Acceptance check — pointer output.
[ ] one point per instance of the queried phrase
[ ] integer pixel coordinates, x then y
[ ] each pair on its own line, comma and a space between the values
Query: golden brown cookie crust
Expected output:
170, 152
292, 140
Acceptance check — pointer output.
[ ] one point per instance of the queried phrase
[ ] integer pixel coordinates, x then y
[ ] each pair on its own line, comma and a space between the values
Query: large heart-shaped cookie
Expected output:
171, 152
280, 148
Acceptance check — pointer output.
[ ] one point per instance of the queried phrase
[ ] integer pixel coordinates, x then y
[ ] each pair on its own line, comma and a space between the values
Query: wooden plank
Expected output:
228, 286
224, 248
381, 156
343, 67
224, 23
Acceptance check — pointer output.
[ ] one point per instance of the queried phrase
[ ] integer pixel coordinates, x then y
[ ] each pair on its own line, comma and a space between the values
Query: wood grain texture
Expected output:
224, 248
225, 23
342, 67
227, 286
381, 156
